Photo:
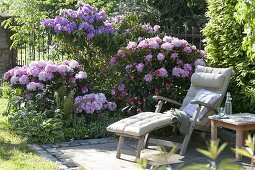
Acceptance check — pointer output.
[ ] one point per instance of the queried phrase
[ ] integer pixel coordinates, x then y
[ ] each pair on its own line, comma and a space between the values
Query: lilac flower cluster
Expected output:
93, 103
86, 19
149, 29
39, 73
158, 64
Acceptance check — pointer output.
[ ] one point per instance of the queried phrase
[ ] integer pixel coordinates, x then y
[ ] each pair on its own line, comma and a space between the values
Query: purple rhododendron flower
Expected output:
121, 87
148, 77
202, 53
112, 106
148, 57
84, 90
121, 53
161, 72
113, 92
167, 46
147, 28
81, 75
160, 56
174, 55
187, 67
113, 60
187, 49
199, 62
32, 86
14, 79
157, 39
139, 67
131, 45
156, 28
143, 44
34, 71
73, 64
23, 79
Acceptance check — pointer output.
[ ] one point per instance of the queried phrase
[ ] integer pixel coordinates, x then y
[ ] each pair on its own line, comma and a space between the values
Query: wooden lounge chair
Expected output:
139, 126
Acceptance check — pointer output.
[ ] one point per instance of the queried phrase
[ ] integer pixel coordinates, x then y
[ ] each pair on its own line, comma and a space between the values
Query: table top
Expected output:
236, 119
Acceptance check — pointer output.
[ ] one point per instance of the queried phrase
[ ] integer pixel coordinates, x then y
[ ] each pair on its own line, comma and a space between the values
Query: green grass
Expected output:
14, 152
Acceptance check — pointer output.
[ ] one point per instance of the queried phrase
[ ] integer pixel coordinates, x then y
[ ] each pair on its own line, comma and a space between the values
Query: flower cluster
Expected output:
86, 20
39, 73
93, 103
46, 77
155, 65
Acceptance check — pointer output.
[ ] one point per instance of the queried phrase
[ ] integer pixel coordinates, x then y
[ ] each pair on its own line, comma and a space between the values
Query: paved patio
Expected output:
98, 154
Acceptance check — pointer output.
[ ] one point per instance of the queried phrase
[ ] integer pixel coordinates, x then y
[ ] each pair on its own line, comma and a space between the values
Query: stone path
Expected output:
98, 154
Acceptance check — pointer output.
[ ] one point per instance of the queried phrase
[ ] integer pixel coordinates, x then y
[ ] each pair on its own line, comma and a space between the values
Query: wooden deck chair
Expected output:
139, 126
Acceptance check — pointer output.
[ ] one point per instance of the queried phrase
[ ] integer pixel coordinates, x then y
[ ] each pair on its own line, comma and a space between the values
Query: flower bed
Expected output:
51, 98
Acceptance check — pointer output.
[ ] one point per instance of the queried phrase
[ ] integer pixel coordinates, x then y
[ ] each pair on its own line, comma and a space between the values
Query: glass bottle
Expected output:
228, 104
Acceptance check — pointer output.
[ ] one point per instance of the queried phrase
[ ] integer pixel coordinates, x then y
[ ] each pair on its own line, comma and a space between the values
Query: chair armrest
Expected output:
203, 104
166, 99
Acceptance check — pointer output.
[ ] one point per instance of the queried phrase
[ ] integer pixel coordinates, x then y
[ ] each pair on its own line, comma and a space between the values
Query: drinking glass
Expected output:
221, 111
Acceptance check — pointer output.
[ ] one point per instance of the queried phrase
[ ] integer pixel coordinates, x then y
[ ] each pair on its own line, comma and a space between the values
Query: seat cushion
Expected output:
140, 124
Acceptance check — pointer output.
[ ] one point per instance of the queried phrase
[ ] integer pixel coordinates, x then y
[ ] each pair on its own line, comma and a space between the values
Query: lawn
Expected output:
14, 152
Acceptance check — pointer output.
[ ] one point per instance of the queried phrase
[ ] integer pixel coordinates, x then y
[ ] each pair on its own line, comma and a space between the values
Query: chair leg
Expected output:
139, 147
120, 145
146, 141
186, 140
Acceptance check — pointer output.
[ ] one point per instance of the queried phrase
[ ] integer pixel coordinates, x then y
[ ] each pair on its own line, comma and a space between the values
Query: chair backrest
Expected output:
213, 79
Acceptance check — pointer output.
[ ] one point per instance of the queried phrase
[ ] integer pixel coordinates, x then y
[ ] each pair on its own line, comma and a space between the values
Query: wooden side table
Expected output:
238, 122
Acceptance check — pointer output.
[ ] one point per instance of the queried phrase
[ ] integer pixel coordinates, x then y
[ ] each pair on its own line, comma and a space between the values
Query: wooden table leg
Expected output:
239, 142
213, 130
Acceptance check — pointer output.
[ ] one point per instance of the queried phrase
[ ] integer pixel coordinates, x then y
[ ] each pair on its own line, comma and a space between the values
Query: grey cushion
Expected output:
207, 80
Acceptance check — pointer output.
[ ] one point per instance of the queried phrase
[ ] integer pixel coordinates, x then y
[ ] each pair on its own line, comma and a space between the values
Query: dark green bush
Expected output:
224, 36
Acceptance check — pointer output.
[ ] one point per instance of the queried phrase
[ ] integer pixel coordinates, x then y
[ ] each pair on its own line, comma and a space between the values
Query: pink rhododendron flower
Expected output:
202, 53
153, 44
167, 46
168, 85
23, 79
157, 39
131, 45
139, 67
161, 72
143, 44
160, 56
140, 39
168, 39
74, 64
7, 75
73, 80
148, 77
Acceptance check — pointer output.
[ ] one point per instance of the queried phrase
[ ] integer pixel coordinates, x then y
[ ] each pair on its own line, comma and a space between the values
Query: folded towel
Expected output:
179, 119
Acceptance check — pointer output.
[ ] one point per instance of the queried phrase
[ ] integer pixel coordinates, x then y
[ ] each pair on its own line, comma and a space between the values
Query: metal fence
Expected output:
41, 47
38, 47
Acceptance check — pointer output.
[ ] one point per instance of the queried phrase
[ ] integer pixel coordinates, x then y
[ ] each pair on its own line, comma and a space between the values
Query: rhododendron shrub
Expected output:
91, 37
155, 66
45, 77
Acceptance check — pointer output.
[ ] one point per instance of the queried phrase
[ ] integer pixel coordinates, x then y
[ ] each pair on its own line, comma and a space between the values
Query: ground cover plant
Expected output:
14, 151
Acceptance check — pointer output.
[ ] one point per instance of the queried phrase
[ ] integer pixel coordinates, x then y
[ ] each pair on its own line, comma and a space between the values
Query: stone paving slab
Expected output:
98, 154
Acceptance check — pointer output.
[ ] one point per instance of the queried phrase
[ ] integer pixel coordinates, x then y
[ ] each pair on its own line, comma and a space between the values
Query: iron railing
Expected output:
41, 47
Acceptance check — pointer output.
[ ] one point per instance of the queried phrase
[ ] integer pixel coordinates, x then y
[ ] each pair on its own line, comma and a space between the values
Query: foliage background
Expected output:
224, 36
